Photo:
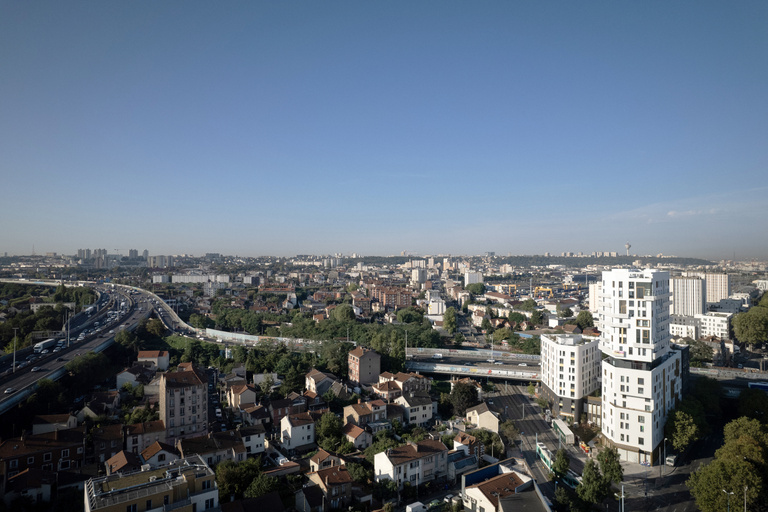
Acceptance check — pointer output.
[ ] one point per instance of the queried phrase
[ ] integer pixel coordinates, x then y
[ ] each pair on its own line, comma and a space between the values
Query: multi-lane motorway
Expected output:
119, 309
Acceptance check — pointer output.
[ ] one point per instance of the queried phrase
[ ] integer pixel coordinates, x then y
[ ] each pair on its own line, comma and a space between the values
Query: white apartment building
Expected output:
594, 297
688, 296
718, 287
714, 324
642, 375
472, 278
416, 463
570, 371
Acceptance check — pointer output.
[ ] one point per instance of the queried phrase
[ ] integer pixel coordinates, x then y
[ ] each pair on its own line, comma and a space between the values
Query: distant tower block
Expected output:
627, 245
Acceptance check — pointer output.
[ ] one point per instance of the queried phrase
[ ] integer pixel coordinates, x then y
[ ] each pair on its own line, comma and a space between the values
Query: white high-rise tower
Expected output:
642, 374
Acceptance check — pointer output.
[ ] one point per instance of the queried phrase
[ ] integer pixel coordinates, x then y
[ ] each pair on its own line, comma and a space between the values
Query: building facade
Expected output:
642, 374
364, 366
688, 296
183, 404
570, 371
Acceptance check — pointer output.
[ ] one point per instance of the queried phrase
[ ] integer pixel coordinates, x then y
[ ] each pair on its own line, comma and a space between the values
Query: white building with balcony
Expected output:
642, 374
570, 371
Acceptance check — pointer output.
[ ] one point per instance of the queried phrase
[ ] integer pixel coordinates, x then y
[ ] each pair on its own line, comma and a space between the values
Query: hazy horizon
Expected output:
277, 128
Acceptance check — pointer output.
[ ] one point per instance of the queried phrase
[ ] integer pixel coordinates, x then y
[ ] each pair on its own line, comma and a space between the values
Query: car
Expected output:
57, 349
448, 498
523, 364
9, 391
499, 362
59, 359
37, 369
45, 351
489, 402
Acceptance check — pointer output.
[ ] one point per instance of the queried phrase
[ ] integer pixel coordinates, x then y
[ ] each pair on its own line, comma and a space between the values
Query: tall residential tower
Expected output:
642, 373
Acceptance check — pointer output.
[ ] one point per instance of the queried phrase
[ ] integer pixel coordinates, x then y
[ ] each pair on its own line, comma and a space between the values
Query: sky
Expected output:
433, 127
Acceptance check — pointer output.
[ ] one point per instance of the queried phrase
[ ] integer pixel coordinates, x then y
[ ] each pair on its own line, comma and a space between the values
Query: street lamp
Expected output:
664, 457
745, 498
729, 499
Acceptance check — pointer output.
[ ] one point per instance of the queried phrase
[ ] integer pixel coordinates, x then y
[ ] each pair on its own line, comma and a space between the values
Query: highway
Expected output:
16, 386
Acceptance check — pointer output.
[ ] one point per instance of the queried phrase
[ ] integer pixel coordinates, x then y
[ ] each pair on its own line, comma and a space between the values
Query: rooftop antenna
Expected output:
627, 245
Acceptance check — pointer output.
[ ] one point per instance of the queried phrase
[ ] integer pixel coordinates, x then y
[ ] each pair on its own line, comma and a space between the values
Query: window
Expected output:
47, 457
209, 503
149, 504
640, 440
14, 464
65, 453
206, 485
131, 508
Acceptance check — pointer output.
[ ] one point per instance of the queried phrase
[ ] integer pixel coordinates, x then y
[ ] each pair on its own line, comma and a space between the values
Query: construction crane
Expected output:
510, 287
540, 289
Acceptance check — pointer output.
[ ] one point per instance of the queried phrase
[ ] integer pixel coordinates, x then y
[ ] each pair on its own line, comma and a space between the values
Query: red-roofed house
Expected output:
159, 358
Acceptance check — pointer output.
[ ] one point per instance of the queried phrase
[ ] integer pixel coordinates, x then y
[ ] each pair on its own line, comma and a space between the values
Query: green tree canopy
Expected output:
584, 320
449, 320
610, 465
516, 318
343, 313
593, 487
475, 288
752, 327
561, 464
462, 397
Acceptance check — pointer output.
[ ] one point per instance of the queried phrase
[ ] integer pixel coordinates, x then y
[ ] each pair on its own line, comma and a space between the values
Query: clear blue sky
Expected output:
287, 127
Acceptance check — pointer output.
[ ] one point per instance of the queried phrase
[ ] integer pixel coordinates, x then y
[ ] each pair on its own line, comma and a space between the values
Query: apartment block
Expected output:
184, 403
642, 373
364, 366
570, 371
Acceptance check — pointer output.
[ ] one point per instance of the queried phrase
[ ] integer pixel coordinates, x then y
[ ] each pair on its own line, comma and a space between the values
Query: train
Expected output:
571, 479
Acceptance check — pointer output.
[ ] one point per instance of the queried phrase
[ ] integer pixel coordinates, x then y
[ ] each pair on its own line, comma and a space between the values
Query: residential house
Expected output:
136, 375
139, 436
318, 382
502, 492
364, 366
107, 441
158, 358
336, 485
159, 454
253, 438
322, 460
362, 413
417, 406
416, 463
469, 445
470, 382
241, 394
255, 415
51, 451
359, 437
123, 461
297, 430
387, 390
483, 417
186, 484
49, 422
214, 447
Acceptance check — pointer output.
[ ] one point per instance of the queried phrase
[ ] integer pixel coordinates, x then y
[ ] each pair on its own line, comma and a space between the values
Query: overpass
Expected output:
490, 371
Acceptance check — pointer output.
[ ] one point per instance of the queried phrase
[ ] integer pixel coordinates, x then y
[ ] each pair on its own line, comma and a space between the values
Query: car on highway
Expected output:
37, 369
499, 362
9, 391
523, 364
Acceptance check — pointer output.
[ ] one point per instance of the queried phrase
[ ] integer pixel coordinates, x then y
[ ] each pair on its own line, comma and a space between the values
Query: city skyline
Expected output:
432, 128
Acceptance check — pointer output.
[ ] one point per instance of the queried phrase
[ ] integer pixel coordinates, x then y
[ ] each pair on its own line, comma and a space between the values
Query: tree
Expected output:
449, 320
593, 487
681, 429
739, 463
261, 485
561, 463
528, 305
509, 430
537, 317
156, 328
343, 313
475, 288
565, 313
753, 403
752, 327
360, 473
584, 320
610, 465
329, 431
516, 318
462, 397
459, 339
